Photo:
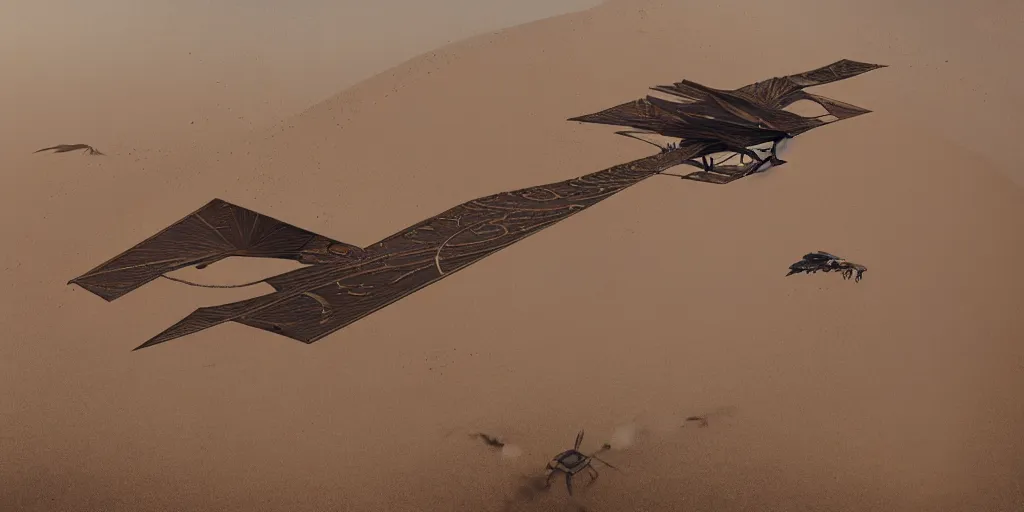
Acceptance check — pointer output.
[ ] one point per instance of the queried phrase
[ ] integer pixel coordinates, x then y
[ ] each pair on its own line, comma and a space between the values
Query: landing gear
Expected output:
714, 172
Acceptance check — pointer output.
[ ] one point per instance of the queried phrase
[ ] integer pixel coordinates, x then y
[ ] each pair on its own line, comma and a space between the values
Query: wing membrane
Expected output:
216, 231
756, 109
346, 283
314, 301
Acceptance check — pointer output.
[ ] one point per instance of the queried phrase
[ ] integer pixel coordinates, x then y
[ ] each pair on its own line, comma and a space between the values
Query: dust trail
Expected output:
511, 451
529, 494
713, 415
490, 440
508, 450
623, 436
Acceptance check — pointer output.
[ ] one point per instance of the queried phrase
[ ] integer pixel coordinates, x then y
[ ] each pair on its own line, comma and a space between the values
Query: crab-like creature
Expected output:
825, 262
571, 462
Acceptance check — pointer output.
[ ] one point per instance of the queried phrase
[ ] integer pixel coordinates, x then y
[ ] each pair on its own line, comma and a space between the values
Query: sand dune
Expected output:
174, 75
901, 392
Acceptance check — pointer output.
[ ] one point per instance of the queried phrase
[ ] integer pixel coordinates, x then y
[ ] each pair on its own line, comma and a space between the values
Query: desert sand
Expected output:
899, 393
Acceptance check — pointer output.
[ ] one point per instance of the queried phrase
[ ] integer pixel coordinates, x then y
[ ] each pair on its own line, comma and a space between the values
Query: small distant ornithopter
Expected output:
571, 462
64, 148
825, 262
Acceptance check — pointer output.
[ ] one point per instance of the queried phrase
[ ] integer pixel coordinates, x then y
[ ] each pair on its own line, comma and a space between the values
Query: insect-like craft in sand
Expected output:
344, 283
572, 461
825, 262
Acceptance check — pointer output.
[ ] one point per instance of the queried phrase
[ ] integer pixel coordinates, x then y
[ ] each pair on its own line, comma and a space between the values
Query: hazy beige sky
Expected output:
221, 65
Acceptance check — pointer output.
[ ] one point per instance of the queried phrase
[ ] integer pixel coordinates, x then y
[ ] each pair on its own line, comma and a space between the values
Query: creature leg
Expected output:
708, 167
753, 155
551, 474
693, 163
568, 482
775, 155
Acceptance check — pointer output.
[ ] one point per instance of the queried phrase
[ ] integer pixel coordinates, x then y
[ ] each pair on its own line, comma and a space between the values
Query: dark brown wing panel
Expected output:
770, 92
840, 109
838, 70
348, 283
310, 312
746, 116
314, 301
640, 114
704, 121
216, 231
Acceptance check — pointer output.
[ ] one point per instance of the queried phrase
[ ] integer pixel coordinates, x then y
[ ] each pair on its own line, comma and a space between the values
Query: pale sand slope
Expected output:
898, 393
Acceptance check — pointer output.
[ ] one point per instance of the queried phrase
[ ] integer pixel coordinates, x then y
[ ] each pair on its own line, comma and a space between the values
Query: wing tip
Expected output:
165, 336
860, 63
147, 344
155, 340
96, 290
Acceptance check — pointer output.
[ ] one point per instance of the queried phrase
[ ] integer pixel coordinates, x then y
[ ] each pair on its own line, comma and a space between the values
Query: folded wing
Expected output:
745, 116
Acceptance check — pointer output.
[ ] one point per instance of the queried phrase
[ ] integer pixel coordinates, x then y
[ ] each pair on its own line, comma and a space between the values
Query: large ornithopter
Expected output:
344, 283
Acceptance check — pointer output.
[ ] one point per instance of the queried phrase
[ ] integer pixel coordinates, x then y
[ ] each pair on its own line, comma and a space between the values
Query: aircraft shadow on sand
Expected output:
344, 283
